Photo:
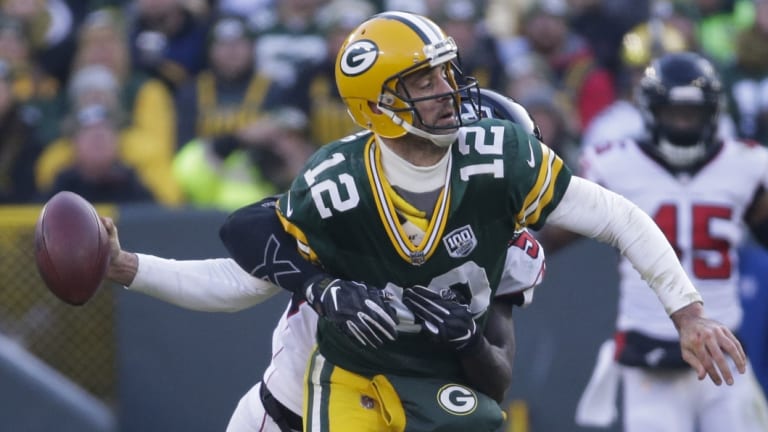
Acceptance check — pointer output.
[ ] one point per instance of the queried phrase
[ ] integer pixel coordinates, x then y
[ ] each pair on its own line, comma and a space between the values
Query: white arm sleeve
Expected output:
593, 211
213, 285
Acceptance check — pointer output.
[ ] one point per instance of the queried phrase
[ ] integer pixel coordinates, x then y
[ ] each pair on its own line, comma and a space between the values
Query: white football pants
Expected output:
679, 402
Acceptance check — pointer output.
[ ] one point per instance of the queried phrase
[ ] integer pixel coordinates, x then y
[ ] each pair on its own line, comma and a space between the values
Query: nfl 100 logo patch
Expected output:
460, 242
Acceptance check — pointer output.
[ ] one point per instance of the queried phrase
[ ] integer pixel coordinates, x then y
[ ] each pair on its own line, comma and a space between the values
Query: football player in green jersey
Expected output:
421, 205
263, 257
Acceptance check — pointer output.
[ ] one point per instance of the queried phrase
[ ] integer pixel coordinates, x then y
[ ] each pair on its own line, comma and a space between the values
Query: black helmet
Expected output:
680, 97
495, 105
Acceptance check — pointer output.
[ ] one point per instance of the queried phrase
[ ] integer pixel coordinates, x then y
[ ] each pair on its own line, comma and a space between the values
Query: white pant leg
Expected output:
658, 401
250, 416
680, 402
740, 407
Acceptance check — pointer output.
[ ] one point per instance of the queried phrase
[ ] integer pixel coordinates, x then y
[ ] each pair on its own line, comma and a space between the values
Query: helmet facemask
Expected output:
680, 98
397, 102
397, 99
684, 132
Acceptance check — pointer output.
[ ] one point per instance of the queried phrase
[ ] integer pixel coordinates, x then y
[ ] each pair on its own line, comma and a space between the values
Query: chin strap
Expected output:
443, 140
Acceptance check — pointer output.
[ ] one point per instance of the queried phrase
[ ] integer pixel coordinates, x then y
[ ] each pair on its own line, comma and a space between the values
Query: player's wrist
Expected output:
477, 346
313, 291
123, 268
686, 314
675, 301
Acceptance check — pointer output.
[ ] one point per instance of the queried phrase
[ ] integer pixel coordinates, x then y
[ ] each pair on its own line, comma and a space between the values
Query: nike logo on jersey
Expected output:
288, 208
531, 161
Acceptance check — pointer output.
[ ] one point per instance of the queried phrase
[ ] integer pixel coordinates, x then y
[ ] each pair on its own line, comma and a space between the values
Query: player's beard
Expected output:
447, 123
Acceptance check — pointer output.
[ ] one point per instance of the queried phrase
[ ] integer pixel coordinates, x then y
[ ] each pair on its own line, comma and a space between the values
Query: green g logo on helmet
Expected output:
358, 57
372, 63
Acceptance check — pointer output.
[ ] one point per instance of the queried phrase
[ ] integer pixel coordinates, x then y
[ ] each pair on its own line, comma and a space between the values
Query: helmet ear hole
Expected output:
373, 107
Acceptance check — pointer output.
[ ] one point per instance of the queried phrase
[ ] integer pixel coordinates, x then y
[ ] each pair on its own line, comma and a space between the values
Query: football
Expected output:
71, 248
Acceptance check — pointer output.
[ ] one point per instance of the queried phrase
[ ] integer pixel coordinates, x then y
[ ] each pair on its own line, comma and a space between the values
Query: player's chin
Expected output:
444, 125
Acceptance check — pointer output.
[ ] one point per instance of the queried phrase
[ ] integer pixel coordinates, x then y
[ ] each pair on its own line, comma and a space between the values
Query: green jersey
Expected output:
346, 216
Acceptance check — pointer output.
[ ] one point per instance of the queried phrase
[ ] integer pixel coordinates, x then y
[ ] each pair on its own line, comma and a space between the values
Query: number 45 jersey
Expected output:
346, 217
701, 214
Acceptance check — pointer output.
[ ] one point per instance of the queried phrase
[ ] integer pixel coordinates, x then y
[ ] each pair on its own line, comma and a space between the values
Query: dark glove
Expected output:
445, 318
357, 309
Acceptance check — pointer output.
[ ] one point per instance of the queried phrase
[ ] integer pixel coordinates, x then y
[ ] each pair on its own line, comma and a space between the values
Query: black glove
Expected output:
445, 318
357, 309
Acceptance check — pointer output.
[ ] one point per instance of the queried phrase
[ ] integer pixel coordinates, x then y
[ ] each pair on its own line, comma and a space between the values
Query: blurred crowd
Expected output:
219, 103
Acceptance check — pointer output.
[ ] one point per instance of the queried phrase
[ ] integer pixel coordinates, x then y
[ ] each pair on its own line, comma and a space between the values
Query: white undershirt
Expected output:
213, 285
405, 175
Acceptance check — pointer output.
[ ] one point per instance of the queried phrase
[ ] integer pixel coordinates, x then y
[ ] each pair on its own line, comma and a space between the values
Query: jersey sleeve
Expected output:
212, 285
256, 240
538, 177
294, 212
524, 269
323, 184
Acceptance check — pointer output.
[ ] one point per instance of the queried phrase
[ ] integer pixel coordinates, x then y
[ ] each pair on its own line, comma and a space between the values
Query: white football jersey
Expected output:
294, 336
701, 215
292, 343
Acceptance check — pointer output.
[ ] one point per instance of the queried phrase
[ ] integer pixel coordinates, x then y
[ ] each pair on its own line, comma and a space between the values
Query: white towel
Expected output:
597, 405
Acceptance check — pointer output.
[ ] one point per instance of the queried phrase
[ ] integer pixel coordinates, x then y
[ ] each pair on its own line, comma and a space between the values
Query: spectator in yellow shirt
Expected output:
151, 159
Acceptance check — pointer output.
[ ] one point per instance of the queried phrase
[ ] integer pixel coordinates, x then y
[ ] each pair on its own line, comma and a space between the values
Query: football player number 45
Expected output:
703, 243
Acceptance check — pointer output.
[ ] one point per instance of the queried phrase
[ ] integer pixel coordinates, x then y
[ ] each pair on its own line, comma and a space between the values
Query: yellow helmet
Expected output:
377, 55
650, 40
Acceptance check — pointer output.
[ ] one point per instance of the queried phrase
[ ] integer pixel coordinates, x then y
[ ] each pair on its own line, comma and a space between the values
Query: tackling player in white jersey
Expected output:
700, 190
263, 258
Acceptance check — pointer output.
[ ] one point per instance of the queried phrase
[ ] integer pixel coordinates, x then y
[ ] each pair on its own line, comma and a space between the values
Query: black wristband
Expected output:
313, 288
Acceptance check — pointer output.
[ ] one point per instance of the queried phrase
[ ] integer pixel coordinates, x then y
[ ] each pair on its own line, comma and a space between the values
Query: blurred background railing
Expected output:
156, 367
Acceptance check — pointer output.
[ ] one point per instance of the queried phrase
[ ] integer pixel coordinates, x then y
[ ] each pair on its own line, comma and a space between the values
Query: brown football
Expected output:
71, 248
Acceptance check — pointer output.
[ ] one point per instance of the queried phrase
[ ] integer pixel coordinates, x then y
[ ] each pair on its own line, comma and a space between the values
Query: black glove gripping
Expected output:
357, 309
445, 318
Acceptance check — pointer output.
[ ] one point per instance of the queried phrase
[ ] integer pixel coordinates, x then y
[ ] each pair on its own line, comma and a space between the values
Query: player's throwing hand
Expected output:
705, 343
